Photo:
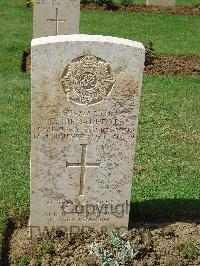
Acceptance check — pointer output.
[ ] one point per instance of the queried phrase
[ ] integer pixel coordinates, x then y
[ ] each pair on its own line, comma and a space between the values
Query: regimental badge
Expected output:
87, 80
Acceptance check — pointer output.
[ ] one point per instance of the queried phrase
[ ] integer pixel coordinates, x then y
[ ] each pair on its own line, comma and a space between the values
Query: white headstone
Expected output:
161, 2
85, 101
55, 17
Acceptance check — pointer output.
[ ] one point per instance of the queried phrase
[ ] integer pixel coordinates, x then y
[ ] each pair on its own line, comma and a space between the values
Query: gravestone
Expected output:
85, 101
55, 17
161, 2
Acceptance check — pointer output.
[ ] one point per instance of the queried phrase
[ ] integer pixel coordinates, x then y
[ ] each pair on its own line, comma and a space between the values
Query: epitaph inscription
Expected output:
85, 102
87, 80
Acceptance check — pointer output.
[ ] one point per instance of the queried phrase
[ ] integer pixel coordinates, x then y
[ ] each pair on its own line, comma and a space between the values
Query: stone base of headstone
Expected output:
161, 2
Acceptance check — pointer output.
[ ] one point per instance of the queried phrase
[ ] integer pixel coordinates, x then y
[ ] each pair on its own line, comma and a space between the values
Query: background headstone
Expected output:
161, 2
85, 101
55, 17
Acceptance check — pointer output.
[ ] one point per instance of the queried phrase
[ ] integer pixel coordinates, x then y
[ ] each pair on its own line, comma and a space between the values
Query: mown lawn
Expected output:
168, 139
171, 34
178, 2
168, 148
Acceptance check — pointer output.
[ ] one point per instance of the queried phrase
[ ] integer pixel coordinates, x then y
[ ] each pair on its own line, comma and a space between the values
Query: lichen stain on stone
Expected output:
130, 85
122, 67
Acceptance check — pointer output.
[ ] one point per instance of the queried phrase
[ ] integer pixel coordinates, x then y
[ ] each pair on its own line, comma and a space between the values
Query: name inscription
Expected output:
84, 125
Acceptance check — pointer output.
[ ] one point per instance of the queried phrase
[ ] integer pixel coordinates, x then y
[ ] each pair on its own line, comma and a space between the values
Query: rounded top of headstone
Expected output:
86, 38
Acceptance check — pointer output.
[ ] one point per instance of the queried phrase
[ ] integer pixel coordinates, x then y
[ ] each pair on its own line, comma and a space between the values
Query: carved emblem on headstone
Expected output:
87, 80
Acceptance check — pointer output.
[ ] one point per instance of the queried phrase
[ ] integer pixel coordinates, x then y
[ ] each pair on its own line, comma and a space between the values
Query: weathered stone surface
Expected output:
85, 101
161, 2
55, 17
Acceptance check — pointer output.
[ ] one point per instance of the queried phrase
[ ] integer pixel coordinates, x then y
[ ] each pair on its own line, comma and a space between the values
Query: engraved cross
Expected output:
57, 21
83, 165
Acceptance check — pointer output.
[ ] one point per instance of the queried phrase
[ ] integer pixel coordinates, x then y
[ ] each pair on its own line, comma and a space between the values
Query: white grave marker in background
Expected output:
161, 2
55, 17
85, 103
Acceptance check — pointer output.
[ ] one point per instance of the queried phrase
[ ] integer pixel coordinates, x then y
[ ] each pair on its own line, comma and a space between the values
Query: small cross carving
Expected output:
83, 165
57, 21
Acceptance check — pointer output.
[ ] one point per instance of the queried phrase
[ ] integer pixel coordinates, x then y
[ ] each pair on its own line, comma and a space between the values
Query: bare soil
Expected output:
154, 64
173, 65
26, 60
143, 8
169, 244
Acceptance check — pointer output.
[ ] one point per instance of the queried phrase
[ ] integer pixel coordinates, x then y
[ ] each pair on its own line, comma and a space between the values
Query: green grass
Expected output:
167, 144
189, 250
187, 2
172, 34
15, 35
169, 136
178, 2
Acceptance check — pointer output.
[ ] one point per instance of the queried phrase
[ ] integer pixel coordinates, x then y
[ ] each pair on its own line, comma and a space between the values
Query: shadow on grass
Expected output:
161, 211
10, 227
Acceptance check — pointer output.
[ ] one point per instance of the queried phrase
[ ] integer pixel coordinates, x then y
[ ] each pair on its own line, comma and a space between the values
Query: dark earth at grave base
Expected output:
26, 60
158, 244
155, 64
174, 65
178, 10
